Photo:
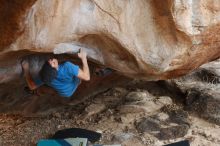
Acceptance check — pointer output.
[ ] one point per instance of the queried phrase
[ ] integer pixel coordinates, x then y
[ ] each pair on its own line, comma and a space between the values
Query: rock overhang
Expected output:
150, 40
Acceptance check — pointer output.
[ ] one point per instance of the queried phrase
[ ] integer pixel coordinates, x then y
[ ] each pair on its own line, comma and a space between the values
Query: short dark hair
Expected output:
47, 73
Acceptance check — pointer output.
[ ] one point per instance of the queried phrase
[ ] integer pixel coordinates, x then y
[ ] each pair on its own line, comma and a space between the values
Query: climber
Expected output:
60, 78
63, 78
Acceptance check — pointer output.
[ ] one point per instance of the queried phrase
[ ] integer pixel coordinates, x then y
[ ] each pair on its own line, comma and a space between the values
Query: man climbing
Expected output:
63, 78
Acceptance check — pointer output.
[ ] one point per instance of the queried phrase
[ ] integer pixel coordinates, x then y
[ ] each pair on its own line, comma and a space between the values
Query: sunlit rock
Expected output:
141, 39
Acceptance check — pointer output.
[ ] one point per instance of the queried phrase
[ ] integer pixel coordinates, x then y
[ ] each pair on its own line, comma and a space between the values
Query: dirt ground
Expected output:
124, 115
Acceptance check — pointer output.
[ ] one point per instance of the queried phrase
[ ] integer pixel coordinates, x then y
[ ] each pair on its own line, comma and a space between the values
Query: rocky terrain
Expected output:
136, 113
157, 92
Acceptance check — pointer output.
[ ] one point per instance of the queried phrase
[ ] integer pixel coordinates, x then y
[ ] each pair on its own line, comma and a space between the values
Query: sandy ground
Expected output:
115, 113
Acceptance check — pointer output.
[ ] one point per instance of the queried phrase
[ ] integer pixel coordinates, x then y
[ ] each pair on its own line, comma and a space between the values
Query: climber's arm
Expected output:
28, 78
84, 73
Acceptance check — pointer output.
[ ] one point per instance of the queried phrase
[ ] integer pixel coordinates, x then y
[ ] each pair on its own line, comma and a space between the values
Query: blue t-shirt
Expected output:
66, 81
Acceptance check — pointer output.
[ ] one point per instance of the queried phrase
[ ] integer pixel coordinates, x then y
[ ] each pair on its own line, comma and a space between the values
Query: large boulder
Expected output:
143, 39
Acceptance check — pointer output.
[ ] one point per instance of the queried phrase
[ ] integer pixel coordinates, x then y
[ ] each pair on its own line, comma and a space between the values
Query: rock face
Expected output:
144, 39
202, 91
150, 39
